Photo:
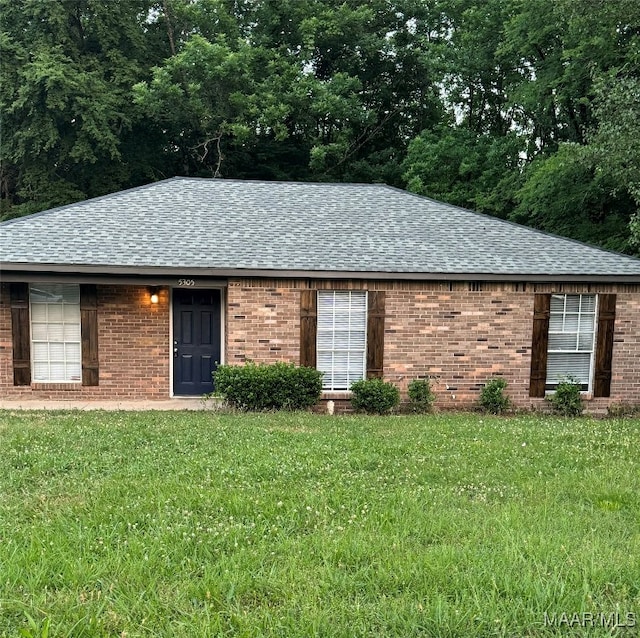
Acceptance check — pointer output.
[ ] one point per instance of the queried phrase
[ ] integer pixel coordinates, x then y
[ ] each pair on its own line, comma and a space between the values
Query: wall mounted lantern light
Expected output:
154, 294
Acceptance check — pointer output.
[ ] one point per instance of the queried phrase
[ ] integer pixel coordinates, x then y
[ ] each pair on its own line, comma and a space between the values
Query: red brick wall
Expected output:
459, 338
263, 321
458, 333
625, 382
133, 343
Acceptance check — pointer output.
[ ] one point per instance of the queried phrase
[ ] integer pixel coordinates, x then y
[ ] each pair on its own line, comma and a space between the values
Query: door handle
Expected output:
175, 352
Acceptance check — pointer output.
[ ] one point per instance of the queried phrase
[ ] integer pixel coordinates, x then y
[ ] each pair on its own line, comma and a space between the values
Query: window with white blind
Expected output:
341, 337
55, 333
572, 327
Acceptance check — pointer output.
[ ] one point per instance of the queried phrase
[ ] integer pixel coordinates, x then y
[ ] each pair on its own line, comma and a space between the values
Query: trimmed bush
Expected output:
492, 397
567, 400
420, 396
374, 396
277, 386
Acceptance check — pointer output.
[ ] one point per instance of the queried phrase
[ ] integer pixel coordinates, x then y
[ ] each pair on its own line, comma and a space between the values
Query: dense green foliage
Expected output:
184, 525
525, 110
421, 397
277, 386
567, 399
492, 396
374, 396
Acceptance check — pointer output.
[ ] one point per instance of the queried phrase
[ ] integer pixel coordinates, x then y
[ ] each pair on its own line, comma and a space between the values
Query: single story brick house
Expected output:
140, 294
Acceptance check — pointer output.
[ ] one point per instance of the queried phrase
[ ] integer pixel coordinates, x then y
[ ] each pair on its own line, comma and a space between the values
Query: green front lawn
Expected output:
196, 524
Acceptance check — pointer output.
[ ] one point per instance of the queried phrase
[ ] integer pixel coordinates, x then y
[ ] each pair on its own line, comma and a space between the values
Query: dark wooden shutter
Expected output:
539, 345
604, 345
308, 327
375, 334
19, 294
89, 331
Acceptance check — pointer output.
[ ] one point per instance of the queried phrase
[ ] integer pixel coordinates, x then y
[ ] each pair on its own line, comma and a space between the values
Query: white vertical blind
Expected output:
56, 351
572, 323
341, 337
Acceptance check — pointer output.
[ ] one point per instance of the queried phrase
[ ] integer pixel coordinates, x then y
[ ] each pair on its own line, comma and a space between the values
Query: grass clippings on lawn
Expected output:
197, 524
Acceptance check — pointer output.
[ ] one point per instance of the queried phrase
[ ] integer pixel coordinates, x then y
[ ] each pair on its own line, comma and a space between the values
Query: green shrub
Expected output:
278, 386
567, 400
374, 396
492, 397
420, 396
620, 410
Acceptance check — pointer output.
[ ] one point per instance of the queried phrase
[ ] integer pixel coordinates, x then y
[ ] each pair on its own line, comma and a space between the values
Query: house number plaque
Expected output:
186, 282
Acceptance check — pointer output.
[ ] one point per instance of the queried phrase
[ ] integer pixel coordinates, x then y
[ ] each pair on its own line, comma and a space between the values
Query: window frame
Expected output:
33, 342
331, 386
605, 338
550, 388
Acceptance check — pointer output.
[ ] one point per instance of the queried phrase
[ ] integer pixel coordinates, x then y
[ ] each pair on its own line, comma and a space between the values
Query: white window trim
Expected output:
592, 359
32, 343
332, 391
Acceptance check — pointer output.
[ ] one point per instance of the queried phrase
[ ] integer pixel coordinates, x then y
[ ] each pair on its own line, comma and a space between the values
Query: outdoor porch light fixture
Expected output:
154, 294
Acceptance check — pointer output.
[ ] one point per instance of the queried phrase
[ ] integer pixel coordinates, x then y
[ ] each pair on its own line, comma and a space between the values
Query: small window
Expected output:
341, 337
55, 333
572, 327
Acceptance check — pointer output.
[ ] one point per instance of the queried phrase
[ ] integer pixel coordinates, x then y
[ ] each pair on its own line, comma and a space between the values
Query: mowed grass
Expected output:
203, 524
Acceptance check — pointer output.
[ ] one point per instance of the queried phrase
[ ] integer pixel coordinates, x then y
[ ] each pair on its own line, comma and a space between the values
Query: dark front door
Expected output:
196, 340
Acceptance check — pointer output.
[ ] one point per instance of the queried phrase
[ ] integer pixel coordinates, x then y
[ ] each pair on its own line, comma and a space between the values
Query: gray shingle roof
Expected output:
229, 225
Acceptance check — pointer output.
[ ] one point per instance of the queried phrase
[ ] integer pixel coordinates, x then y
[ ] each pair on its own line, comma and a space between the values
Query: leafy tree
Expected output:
361, 82
537, 137
383, 53
525, 110
607, 43
565, 194
201, 95
549, 100
472, 170
342, 85
478, 73
615, 145
67, 117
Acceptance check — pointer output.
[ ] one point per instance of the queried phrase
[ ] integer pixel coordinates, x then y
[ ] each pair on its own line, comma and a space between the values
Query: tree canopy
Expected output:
525, 110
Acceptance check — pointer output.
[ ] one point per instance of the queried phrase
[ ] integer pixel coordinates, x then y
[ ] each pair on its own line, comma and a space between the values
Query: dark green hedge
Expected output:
374, 396
278, 386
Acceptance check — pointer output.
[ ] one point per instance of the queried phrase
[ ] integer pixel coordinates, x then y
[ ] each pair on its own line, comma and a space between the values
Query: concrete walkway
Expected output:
169, 404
